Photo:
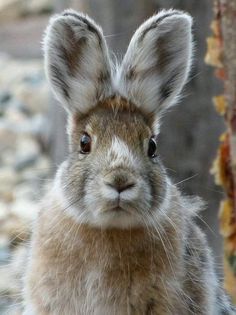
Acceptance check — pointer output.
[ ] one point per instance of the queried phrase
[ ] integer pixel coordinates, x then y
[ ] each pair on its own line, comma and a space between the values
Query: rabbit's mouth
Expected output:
116, 208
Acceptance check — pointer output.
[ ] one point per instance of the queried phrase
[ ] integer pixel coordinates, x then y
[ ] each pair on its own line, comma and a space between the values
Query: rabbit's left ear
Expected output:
77, 61
156, 65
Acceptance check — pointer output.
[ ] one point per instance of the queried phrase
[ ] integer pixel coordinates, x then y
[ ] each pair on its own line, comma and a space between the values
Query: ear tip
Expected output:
68, 14
73, 14
73, 18
177, 15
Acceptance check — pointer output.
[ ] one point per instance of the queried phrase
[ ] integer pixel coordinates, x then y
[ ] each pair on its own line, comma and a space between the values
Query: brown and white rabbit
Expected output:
114, 236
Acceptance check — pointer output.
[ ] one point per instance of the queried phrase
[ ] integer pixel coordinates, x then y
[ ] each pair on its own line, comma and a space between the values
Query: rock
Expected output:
43, 165
4, 255
19, 106
6, 194
26, 146
7, 137
7, 176
13, 72
23, 191
14, 115
4, 240
24, 165
39, 6
8, 181
34, 96
5, 97
24, 162
11, 282
36, 178
37, 126
14, 230
8, 157
10, 274
25, 209
4, 210
10, 9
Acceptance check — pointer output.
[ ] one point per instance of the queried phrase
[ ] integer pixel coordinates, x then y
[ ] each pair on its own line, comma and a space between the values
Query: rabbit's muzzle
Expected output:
119, 182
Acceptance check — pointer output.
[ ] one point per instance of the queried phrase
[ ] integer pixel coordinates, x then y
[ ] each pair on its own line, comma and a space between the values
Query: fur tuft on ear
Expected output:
157, 62
77, 61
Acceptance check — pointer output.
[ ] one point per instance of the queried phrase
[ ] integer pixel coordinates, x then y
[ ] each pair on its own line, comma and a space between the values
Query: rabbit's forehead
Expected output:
118, 118
126, 125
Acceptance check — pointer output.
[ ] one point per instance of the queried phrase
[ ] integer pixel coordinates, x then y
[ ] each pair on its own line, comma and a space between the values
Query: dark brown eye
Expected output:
152, 148
85, 144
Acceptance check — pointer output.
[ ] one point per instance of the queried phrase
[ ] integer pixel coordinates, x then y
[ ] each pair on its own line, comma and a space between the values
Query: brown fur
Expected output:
137, 270
133, 264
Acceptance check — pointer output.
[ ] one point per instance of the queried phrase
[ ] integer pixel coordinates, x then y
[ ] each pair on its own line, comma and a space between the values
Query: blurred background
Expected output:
32, 125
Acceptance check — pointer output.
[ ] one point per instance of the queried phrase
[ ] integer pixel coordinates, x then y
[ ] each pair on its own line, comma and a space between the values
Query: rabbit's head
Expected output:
113, 176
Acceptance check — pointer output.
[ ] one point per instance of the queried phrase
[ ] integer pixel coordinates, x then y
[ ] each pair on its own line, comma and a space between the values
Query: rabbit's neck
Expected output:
65, 238
98, 265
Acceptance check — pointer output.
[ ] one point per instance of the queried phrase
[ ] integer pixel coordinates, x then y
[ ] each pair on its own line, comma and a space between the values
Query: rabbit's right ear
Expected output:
156, 65
77, 61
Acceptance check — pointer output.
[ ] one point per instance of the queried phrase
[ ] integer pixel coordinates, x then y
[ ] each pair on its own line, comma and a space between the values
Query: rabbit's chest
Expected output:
117, 291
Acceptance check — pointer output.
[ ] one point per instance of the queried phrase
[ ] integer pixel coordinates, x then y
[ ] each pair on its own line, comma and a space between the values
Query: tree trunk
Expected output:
222, 54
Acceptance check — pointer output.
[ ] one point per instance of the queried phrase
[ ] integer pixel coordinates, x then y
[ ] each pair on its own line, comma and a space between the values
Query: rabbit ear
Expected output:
156, 64
77, 61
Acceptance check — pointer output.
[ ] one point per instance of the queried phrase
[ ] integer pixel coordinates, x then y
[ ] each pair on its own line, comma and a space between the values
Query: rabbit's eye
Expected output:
85, 144
152, 147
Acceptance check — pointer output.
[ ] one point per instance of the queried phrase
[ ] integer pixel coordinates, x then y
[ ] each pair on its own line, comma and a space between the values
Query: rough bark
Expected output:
222, 55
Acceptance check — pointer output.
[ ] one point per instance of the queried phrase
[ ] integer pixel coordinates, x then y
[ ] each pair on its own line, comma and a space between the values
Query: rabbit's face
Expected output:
113, 176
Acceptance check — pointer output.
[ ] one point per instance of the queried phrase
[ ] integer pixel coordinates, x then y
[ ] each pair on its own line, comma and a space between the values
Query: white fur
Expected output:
30, 310
109, 192
120, 154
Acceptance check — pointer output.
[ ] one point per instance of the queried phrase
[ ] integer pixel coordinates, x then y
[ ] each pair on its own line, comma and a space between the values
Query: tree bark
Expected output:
222, 55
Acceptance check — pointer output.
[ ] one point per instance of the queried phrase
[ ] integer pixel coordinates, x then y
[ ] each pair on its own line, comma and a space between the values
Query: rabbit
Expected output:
114, 235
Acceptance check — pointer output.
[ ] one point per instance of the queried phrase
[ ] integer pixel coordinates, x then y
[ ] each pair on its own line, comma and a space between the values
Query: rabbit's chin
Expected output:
113, 217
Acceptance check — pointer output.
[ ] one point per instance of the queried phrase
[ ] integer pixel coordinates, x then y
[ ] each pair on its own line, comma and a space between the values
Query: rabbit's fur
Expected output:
114, 235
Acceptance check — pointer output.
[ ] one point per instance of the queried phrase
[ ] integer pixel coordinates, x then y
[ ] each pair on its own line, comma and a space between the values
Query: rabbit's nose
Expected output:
119, 182
120, 187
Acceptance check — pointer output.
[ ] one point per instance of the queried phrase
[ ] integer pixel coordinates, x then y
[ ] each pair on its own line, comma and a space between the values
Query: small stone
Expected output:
14, 229
4, 254
8, 180
23, 191
7, 157
10, 9
34, 97
14, 115
27, 146
39, 6
7, 176
4, 240
5, 97
25, 209
4, 210
7, 138
7, 194
24, 162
